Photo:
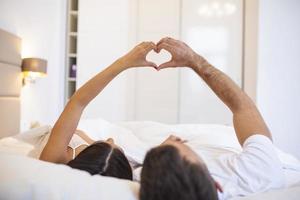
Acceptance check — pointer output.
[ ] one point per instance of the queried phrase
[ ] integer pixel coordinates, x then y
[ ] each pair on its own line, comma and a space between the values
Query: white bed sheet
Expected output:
27, 178
135, 138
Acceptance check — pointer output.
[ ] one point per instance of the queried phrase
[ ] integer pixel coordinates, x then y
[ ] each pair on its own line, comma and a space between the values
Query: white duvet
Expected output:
28, 178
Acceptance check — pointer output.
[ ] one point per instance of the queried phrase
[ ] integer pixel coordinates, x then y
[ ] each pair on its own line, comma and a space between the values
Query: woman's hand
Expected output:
182, 54
137, 56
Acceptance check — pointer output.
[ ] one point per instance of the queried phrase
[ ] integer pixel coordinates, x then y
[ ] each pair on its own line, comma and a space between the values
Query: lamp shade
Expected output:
34, 65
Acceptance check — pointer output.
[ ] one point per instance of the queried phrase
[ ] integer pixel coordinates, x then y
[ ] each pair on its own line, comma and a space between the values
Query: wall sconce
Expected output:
33, 68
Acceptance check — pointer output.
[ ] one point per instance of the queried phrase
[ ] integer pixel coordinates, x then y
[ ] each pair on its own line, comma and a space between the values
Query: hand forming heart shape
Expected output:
181, 55
159, 58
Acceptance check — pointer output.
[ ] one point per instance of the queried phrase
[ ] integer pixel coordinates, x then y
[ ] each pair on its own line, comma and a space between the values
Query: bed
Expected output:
10, 83
23, 176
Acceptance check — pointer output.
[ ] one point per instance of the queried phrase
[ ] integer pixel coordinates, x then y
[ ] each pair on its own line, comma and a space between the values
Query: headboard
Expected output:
10, 83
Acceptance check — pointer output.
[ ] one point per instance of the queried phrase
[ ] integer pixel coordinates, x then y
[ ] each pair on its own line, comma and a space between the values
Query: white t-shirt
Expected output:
256, 169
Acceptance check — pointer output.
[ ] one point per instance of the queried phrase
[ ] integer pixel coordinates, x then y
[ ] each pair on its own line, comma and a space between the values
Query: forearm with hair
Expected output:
247, 119
223, 86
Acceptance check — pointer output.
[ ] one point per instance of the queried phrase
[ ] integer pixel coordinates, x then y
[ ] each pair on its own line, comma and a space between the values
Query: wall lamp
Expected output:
33, 68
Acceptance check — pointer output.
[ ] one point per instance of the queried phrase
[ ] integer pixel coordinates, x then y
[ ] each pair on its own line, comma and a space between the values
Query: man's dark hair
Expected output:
166, 175
101, 158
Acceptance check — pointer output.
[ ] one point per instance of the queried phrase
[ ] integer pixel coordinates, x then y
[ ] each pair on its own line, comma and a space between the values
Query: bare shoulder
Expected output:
84, 136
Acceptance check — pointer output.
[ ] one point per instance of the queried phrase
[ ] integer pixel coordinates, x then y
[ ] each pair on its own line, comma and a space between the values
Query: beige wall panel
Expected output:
9, 116
10, 48
10, 79
10, 83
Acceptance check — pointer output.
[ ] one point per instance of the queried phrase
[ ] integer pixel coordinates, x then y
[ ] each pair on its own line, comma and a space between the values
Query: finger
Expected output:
172, 137
167, 65
218, 187
150, 64
146, 47
165, 46
160, 41
145, 44
184, 141
150, 46
178, 139
167, 40
171, 40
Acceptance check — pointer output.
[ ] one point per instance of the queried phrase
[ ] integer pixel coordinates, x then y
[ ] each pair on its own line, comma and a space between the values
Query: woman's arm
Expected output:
64, 128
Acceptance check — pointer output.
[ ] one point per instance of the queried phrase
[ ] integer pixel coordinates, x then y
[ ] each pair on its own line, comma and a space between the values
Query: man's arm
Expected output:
246, 117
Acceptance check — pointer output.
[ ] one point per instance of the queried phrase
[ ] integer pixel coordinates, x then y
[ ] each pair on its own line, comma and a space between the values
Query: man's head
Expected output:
173, 171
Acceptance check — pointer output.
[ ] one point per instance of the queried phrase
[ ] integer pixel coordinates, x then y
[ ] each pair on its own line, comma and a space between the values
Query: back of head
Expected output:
101, 158
168, 176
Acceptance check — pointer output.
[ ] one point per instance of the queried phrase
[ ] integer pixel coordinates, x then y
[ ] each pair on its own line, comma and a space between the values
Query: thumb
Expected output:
167, 65
151, 64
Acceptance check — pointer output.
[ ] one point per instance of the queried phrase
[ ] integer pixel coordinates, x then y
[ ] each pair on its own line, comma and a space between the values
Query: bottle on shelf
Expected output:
73, 70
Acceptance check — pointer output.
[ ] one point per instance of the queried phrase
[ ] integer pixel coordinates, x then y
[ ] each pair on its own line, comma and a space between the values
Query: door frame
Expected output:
250, 48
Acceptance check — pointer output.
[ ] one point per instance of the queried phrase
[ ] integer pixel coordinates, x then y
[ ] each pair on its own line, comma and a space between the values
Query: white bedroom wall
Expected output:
157, 93
107, 29
214, 29
104, 34
278, 87
41, 25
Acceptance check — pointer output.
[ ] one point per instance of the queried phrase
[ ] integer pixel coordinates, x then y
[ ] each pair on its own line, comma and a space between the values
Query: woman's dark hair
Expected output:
166, 175
101, 158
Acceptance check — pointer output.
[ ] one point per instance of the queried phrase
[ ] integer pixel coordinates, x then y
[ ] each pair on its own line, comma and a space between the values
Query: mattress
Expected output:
39, 179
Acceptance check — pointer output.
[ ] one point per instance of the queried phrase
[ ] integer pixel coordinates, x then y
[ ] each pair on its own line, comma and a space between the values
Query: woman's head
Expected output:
171, 171
103, 158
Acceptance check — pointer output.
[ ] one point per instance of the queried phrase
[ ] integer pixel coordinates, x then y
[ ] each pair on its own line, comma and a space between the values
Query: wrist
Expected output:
121, 64
117, 67
197, 62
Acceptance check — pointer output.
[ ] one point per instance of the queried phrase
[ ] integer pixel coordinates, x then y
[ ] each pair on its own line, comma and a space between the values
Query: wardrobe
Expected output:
108, 29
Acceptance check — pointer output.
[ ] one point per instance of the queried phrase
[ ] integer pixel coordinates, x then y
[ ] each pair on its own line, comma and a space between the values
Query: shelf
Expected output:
74, 12
74, 34
71, 48
72, 61
72, 45
73, 23
71, 79
72, 55
73, 5
71, 88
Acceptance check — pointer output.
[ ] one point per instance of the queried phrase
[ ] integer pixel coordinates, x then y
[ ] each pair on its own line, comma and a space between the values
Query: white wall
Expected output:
214, 29
278, 94
157, 93
103, 36
136, 94
41, 25
107, 29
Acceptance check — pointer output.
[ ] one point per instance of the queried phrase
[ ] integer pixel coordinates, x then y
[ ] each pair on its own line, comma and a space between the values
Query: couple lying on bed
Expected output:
172, 170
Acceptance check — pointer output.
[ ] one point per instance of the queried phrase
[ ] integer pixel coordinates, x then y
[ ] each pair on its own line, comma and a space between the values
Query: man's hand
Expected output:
182, 54
137, 56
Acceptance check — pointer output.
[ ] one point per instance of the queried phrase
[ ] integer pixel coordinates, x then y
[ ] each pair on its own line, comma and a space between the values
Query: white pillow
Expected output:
29, 143
27, 178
